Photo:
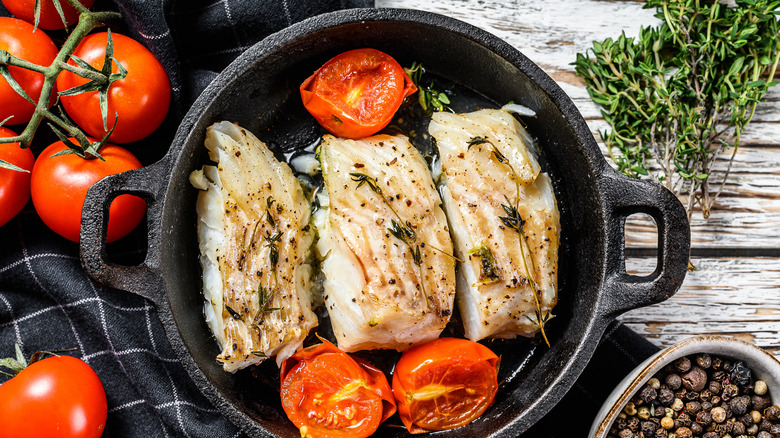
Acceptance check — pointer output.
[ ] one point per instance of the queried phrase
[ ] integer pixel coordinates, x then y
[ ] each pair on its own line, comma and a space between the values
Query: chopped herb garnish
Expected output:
430, 99
488, 269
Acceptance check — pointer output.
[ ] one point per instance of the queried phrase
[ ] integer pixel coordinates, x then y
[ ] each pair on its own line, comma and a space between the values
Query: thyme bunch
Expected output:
679, 95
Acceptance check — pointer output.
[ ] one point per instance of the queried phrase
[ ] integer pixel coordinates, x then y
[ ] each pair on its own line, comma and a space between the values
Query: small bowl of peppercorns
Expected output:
705, 386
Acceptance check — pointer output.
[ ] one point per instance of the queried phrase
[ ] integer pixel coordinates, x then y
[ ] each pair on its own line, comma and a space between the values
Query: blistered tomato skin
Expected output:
55, 397
140, 101
59, 187
357, 93
328, 394
18, 39
444, 384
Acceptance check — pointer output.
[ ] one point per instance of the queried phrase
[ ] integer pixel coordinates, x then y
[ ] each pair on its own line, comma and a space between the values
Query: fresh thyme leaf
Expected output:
264, 299
512, 219
268, 217
680, 94
430, 99
417, 257
405, 233
499, 156
362, 178
259, 354
272, 241
476, 141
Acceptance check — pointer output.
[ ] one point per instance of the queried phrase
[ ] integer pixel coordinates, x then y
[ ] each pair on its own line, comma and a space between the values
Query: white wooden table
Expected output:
734, 290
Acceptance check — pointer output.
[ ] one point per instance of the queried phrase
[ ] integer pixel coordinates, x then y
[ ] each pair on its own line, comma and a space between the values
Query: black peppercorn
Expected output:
697, 429
775, 430
693, 407
648, 428
683, 420
760, 402
765, 425
673, 381
661, 433
626, 433
718, 376
764, 434
738, 428
682, 364
633, 424
647, 394
621, 422
729, 391
715, 387
703, 360
695, 379
739, 405
711, 434
704, 418
706, 405
772, 413
665, 396
683, 432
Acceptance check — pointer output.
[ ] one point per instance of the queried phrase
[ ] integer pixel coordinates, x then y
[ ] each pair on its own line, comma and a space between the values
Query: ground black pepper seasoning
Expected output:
701, 395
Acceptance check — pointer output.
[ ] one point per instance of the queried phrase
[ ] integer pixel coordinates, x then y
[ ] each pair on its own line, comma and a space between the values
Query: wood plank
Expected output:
733, 297
551, 33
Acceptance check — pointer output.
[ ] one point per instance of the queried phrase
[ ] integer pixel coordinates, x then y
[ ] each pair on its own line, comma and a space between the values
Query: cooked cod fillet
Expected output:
489, 172
388, 265
255, 242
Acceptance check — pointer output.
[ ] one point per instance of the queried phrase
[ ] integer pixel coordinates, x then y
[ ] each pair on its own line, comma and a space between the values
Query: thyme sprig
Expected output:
514, 221
430, 99
679, 95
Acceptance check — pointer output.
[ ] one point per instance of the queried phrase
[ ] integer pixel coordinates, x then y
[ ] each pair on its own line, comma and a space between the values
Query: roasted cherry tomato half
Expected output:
49, 19
444, 384
140, 100
356, 94
14, 185
327, 393
59, 187
18, 39
58, 396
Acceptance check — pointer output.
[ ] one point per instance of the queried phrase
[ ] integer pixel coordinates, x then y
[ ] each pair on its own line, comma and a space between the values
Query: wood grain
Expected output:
733, 297
727, 294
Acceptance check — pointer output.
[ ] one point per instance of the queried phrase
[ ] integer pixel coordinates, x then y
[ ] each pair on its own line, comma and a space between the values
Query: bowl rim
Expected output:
763, 364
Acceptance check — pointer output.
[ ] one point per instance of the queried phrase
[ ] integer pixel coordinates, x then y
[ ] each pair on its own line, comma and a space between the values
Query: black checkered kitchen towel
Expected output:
48, 303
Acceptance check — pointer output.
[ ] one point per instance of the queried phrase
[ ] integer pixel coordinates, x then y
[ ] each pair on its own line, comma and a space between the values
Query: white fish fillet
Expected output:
250, 207
376, 294
487, 165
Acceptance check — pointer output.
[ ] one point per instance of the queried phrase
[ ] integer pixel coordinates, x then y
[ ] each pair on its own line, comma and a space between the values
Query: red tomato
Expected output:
14, 185
49, 19
444, 384
58, 396
59, 186
356, 94
327, 393
141, 99
18, 39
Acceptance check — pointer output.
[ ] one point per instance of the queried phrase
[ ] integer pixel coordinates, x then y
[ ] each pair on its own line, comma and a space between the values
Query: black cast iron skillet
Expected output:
259, 91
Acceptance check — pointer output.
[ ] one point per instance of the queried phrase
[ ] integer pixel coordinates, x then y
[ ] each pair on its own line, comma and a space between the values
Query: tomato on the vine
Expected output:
59, 396
18, 39
326, 393
444, 384
59, 187
14, 185
356, 94
140, 101
49, 19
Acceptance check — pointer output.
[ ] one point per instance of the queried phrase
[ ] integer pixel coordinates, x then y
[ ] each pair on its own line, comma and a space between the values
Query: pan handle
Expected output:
624, 197
145, 279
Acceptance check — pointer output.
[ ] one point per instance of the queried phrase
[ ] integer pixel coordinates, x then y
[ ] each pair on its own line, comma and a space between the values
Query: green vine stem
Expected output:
87, 22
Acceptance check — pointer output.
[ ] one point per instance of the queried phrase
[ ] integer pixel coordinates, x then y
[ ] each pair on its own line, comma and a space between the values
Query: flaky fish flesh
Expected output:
388, 265
255, 242
505, 223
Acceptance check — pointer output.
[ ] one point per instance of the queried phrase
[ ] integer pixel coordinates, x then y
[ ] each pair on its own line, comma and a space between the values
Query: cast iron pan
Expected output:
259, 91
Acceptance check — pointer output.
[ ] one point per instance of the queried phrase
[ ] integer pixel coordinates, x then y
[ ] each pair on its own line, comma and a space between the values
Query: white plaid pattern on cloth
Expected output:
48, 303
